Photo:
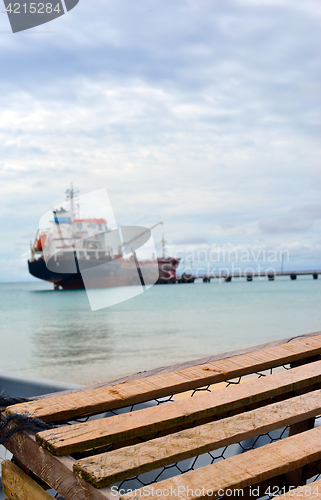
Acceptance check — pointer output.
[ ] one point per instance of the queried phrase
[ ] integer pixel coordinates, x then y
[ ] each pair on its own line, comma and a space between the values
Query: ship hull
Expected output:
61, 278
38, 269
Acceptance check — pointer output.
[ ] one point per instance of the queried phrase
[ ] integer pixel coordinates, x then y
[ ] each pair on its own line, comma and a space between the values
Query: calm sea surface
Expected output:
54, 334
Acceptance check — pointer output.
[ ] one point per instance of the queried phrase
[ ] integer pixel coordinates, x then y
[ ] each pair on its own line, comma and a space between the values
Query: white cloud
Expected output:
297, 219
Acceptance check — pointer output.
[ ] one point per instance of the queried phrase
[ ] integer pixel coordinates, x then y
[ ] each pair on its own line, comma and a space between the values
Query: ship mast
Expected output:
72, 204
163, 242
72, 193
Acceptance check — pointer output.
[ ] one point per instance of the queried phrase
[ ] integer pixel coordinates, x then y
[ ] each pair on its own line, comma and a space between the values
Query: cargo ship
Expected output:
75, 253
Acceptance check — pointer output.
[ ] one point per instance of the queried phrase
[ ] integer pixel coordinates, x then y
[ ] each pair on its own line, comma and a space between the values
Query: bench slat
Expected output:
113, 466
130, 392
240, 471
84, 436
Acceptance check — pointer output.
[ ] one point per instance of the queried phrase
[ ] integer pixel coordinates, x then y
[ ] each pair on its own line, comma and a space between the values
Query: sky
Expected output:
202, 114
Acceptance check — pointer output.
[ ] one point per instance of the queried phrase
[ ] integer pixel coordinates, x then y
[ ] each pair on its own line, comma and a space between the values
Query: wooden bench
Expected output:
240, 399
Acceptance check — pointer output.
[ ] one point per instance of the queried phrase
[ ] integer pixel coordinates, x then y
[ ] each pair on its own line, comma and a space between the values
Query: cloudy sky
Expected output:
204, 114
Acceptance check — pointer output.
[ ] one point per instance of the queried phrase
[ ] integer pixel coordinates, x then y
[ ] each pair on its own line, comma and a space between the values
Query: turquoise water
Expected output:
54, 334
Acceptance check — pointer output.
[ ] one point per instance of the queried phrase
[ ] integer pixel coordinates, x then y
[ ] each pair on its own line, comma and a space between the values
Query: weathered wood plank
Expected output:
131, 392
18, 486
54, 471
296, 478
240, 471
310, 491
80, 437
113, 466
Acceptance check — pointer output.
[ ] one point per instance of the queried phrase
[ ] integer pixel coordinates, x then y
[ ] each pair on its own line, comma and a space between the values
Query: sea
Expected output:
55, 335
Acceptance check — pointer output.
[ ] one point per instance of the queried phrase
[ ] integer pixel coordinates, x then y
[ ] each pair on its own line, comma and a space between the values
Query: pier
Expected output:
249, 275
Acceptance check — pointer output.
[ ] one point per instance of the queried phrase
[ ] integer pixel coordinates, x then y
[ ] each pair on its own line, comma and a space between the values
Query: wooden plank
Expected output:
239, 471
296, 478
79, 437
98, 400
113, 466
54, 471
310, 491
18, 486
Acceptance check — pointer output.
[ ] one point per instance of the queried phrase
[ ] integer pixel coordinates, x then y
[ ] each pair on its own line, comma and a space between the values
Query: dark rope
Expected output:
33, 424
27, 424
6, 400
